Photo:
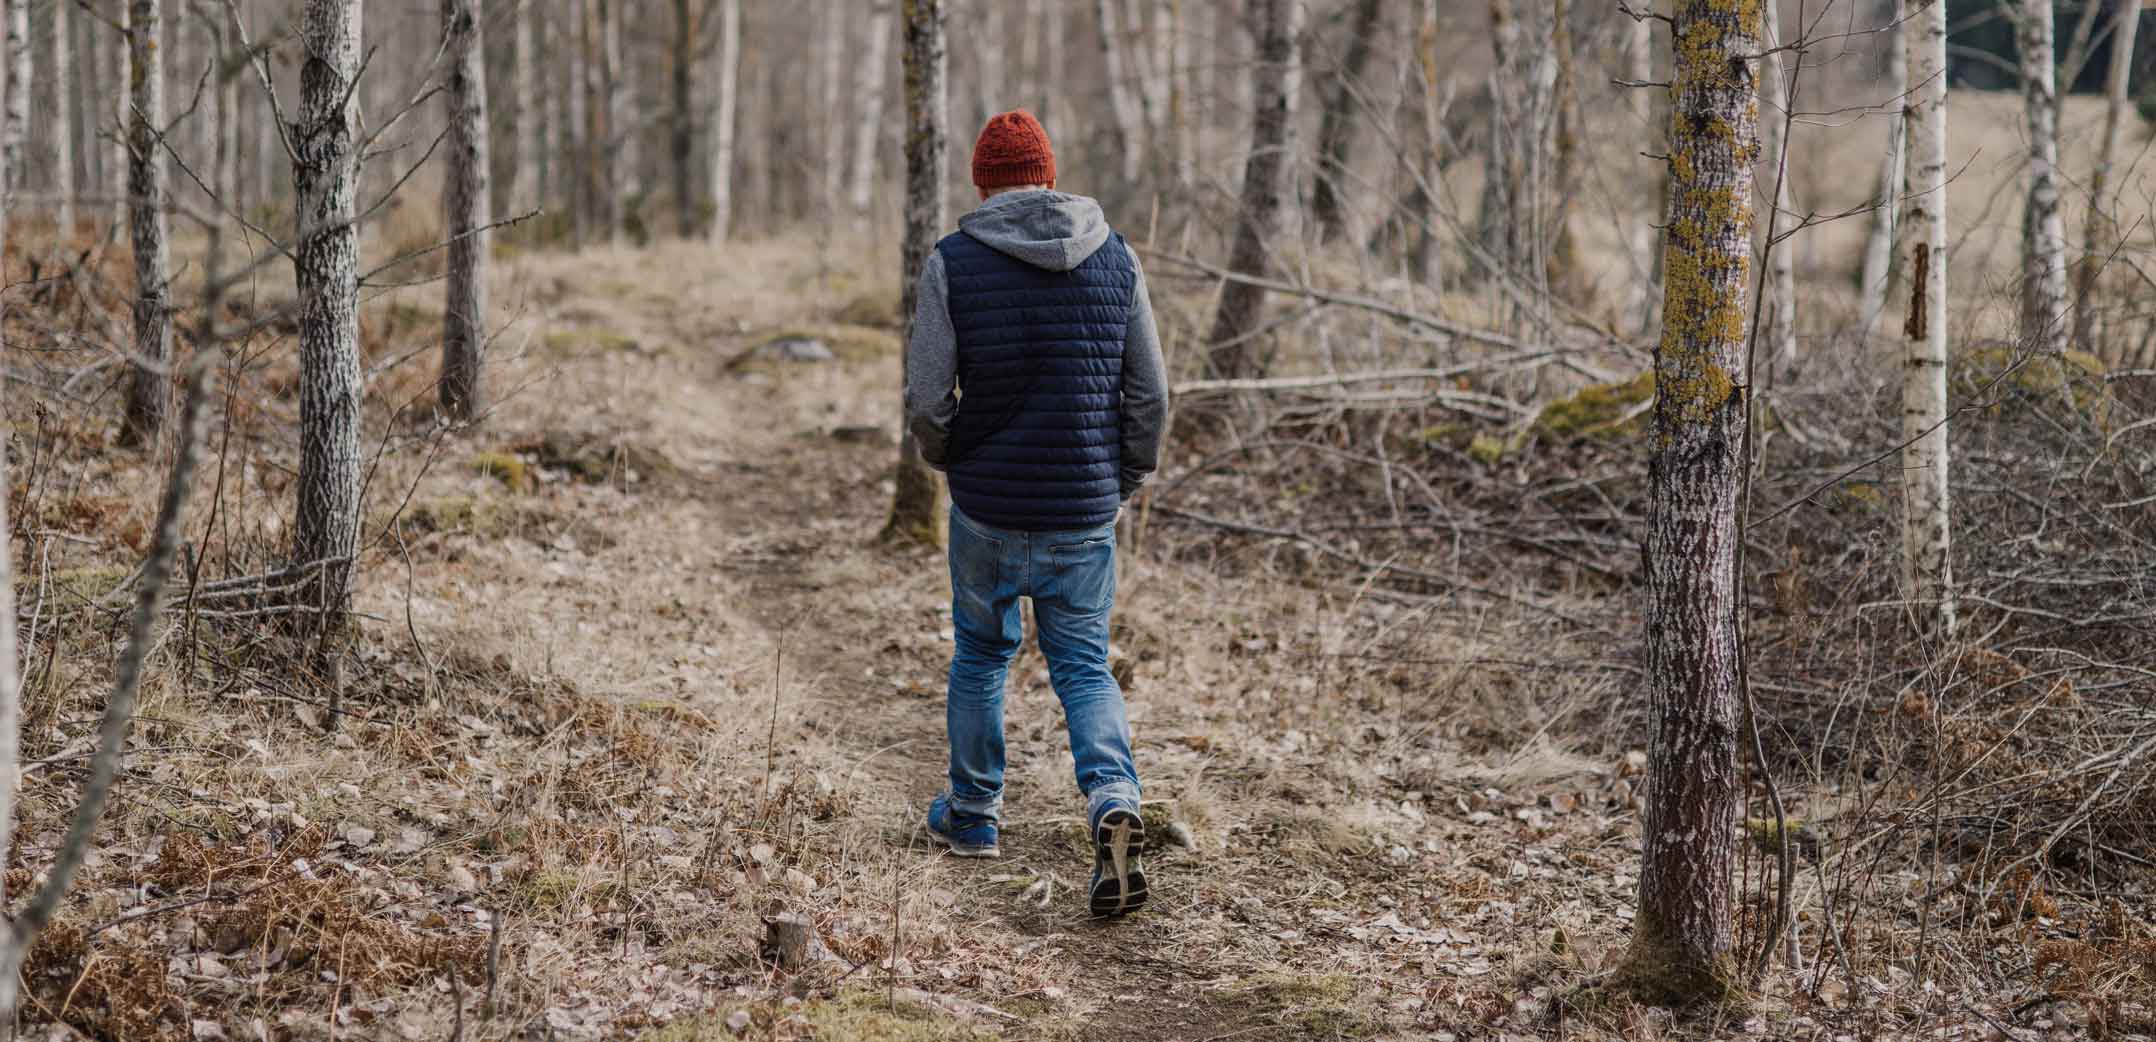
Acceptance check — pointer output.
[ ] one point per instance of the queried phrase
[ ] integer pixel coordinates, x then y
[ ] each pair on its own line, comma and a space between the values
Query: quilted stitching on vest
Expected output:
1037, 445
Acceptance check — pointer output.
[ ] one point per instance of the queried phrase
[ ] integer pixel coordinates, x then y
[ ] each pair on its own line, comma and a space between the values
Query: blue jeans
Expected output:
1071, 578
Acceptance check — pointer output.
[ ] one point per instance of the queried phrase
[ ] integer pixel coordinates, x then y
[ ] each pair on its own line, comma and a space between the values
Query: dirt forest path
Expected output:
1333, 863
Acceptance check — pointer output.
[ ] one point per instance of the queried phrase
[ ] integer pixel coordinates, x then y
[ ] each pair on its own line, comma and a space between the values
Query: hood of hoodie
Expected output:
1052, 230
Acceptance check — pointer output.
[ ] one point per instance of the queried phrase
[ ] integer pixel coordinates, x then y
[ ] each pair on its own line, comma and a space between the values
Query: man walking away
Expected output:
1037, 313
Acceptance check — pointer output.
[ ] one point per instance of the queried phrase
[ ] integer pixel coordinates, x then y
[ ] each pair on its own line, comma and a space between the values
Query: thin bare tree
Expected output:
725, 82
524, 168
15, 117
1279, 75
1681, 950
1879, 249
325, 267
63, 120
1927, 536
149, 392
913, 505
464, 311
1182, 107
1780, 296
2100, 228
116, 170
1340, 119
868, 97
1639, 59
1130, 143
2043, 231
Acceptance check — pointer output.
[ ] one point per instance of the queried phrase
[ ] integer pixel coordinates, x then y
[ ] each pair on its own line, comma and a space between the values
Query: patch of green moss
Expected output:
1486, 449
1862, 495
1319, 1006
73, 587
583, 340
878, 309
2075, 376
504, 467
1603, 411
1656, 972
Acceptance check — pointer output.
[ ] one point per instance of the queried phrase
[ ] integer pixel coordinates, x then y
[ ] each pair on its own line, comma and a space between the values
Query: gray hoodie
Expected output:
1055, 231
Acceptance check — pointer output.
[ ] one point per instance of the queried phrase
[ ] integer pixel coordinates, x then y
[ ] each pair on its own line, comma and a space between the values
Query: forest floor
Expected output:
636, 675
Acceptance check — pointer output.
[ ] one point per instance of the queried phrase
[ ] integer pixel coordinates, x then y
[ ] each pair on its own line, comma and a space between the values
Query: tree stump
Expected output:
790, 941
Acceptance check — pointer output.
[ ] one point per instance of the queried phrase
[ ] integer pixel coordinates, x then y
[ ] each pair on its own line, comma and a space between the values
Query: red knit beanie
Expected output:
1013, 150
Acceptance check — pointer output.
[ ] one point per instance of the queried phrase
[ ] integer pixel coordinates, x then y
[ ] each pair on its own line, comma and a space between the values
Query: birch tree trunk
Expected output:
464, 312
583, 112
524, 170
682, 121
868, 91
725, 81
1145, 67
1639, 55
834, 47
1181, 106
2100, 229
1781, 292
149, 394
1338, 123
1130, 142
2043, 300
616, 142
63, 125
15, 129
325, 268
1927, 559
1878, 271
1278, 74
990, 90
913, 506
116, 174
1681, 950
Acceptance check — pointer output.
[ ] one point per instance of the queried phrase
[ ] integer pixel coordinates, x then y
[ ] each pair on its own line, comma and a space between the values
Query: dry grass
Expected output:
1411, 811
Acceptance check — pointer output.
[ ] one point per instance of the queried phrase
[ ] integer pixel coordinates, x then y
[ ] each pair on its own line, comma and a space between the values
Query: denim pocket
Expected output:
976, 561
1085, 572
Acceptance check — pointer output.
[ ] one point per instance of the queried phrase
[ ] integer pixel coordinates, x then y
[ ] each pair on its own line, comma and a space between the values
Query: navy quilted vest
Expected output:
1038, 445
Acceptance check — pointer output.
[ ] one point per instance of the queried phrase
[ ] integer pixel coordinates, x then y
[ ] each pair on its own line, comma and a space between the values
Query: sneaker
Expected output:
1118, 880
968, 835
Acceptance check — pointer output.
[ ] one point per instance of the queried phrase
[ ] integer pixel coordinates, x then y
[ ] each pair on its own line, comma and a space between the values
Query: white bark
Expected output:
325, 179
524, 167
1646, 232
2043, 308
116, 173
1130, 141
15, 127
63, 124
830, 94
1879, 243
990, 73
1181, 107
615, 144
1146, 65
149, 394
2100, 230
1927, 559
868, 94
724, 83
1781, 289
464, 312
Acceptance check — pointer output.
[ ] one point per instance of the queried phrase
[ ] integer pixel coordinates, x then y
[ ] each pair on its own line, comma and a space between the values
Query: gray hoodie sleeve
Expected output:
1145, 390
932, 366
